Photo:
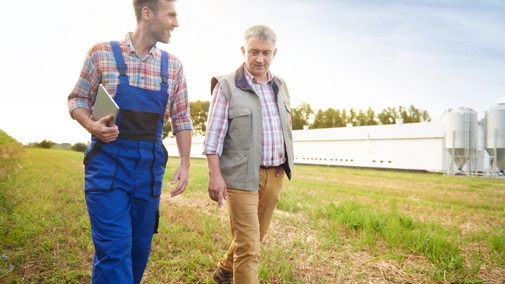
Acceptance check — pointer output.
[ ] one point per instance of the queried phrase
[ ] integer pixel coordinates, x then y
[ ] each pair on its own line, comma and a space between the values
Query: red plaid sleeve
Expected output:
217, 122
178, 109
84, 93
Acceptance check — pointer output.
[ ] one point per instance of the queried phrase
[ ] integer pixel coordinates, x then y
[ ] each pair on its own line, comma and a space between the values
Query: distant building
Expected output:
412, 146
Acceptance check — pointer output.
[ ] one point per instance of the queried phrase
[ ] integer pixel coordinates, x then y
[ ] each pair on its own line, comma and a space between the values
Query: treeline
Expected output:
48, 144
304, 114
329, 118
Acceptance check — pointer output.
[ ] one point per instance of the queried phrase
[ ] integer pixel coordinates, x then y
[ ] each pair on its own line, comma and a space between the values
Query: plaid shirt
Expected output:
217, 125
100, 67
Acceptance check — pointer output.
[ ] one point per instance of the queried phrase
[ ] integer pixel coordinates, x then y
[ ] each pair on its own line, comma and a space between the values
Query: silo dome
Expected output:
495, 133
461, 133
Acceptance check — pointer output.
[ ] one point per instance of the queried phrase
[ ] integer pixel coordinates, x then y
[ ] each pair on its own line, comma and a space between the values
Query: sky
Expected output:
435, 55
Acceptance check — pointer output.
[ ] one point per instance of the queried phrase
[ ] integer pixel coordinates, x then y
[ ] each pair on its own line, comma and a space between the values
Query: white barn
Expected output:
413, 146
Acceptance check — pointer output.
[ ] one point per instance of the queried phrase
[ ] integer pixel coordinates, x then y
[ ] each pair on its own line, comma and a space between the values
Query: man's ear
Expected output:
146, 13
275, 52
243, 51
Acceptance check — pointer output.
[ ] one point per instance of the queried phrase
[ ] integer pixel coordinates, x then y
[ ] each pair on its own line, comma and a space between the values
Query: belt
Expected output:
267, 168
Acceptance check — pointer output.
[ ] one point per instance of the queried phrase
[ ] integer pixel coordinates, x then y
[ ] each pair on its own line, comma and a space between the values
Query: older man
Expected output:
125, 163
249, 149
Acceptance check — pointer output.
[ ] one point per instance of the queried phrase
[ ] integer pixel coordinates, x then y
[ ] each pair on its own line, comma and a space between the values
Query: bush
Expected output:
46, 144
10, 150
79, 147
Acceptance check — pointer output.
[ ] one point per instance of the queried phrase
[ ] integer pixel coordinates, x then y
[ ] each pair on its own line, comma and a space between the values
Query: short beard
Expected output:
158, 34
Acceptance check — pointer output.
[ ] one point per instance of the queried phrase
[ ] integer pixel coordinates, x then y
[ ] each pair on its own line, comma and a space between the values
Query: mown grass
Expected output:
333, 225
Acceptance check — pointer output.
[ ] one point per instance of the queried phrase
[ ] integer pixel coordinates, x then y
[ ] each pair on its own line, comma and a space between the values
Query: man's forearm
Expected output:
183, 139
83, 116
213, 164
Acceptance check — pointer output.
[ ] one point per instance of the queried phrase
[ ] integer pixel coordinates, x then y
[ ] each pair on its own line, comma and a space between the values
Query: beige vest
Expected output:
241, 156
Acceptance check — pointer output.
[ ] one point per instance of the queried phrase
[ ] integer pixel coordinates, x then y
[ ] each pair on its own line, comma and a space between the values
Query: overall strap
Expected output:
164, 71
121, 66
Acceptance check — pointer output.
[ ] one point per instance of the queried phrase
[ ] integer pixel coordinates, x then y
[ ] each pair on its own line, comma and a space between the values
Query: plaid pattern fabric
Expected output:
100, 68
217, 124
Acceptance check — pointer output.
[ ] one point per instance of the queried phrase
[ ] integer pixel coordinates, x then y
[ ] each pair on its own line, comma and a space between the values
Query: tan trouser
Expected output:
250, 216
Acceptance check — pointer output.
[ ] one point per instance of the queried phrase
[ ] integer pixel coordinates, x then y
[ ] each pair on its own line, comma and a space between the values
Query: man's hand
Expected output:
183, 139
97, 128
102, 131
217, 188
280, 171
181, 174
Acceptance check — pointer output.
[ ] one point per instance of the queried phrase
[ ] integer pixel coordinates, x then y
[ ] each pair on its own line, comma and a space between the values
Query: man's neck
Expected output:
141, 42
259, 78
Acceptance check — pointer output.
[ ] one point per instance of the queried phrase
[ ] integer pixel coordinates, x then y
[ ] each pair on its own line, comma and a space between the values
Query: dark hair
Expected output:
138, 5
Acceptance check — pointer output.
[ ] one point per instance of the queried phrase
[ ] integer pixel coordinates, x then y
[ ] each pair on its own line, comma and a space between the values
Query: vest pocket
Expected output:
233, 164
241, 122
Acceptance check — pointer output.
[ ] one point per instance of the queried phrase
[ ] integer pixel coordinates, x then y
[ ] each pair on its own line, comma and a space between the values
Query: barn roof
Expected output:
392, 131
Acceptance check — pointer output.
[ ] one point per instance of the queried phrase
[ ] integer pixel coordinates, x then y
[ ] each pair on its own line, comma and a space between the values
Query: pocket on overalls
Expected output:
156, 221
165, 152
93, 150
101, 162
157, 169
138, 125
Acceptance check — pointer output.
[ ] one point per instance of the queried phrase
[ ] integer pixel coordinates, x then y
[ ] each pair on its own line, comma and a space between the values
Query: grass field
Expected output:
333, 225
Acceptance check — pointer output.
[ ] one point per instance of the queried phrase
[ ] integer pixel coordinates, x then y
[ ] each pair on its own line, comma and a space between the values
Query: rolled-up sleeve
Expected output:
178, 110
217, 122
84, 93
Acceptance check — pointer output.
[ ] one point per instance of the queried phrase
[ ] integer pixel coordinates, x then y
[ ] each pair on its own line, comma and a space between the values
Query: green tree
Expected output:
199, 113
319, 120
46, 144
370, 117
342, 119
167, 128
352, 118
79, 147
409, 114
388, 116
329, 118
300, 115
361, 118
412, 114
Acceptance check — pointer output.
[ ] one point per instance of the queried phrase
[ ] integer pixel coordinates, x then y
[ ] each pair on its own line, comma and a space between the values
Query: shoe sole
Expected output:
218, 281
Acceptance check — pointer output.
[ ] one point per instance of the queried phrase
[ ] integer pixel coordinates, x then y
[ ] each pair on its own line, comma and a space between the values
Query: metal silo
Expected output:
461, 138
495, 136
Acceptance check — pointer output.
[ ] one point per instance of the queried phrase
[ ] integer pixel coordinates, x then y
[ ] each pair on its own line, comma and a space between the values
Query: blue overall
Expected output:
123, 180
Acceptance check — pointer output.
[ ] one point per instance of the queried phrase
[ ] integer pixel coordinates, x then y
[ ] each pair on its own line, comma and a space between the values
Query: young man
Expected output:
249, 149
125, 164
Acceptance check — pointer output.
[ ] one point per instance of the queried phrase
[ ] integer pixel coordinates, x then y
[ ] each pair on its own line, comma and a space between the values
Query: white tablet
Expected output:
104, 106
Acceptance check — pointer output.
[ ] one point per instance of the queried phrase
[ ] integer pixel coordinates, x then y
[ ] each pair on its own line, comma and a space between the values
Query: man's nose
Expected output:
175, 23
260, 58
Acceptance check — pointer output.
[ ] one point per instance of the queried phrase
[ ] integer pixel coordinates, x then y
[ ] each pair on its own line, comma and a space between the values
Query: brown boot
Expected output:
223, 277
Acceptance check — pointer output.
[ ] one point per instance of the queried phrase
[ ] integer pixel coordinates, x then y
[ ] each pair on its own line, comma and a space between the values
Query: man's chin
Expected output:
164, 40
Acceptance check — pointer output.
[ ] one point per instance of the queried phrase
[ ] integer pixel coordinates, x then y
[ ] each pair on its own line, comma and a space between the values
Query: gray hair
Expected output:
262, 32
